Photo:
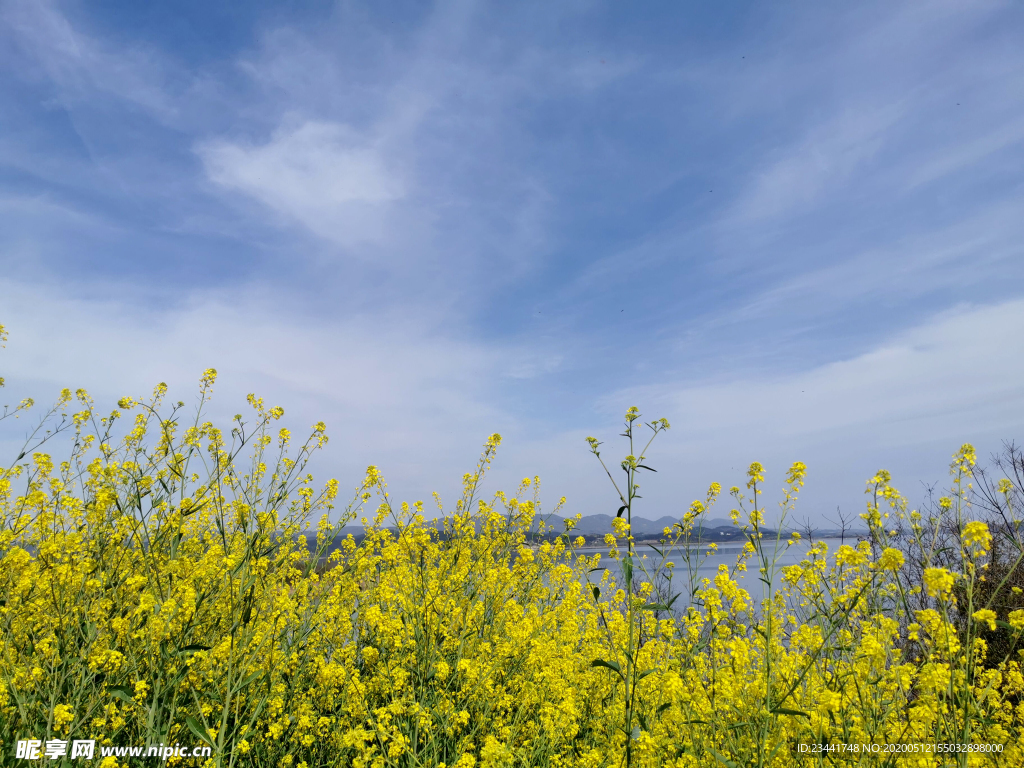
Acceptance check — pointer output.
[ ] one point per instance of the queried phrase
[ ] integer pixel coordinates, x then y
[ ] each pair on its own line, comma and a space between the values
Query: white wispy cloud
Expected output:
82, 65
971, 251
821, 163
966, 155
908, 402
323, 175
394, 389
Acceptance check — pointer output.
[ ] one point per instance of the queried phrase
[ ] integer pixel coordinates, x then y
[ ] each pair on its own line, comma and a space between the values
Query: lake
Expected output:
726, 554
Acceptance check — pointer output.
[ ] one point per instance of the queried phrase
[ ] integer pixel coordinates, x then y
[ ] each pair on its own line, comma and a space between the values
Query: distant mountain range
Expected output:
598, 525
594, 527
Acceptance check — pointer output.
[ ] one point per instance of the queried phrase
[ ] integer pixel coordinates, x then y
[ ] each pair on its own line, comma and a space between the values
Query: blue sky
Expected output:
794, 229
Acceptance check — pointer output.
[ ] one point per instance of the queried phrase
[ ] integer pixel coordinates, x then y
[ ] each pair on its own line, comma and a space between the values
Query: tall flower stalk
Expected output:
630, 674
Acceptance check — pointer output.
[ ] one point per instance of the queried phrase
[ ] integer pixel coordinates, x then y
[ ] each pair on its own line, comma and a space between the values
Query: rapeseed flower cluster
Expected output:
157, 587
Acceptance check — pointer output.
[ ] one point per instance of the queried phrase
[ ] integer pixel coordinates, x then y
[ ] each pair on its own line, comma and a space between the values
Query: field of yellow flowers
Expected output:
154, 589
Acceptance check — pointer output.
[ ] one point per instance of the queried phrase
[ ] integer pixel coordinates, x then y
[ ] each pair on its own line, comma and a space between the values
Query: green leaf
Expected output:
612, 665
192, 510
193, 649
121, 692
199, 730
596, 591
655, 607
783, 711
723, 759
248, 681
644, 466
621, 510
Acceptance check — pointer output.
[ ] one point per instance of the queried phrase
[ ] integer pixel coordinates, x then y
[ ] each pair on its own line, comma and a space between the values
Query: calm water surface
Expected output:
726, 554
